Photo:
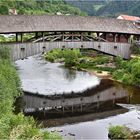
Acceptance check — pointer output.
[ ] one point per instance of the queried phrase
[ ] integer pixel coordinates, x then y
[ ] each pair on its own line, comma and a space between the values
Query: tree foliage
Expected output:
39, 7
114, 8
128, 71
4, 10
110, 8
70, 56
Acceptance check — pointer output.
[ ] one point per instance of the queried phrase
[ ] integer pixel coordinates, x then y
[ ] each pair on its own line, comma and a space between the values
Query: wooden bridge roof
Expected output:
34, 23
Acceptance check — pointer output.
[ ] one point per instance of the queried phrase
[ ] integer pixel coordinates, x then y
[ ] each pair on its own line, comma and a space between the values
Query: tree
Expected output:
4, 10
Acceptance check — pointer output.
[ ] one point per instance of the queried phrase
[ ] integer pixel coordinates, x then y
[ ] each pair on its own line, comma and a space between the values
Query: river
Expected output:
40, 76
92, 104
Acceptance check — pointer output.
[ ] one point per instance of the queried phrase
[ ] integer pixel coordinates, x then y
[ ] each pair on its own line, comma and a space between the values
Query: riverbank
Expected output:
122, 132
15, 125
103, 66
103, 74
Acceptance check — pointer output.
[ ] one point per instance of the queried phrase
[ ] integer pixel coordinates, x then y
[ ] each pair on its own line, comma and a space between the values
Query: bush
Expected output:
128, 71
70, 56
119, 132
118, 74
127, 79
4, 10
135, 49
14, 126
4, 52
100, 60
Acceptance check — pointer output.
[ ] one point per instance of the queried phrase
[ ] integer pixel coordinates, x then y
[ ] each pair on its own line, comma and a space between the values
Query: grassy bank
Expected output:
122, 132
14, 126
125, 71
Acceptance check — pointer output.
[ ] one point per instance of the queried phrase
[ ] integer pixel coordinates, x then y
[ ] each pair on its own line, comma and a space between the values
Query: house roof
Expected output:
34, 23
131, 18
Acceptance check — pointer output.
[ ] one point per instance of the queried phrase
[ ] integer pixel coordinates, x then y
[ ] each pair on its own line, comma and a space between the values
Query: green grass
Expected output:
14, 126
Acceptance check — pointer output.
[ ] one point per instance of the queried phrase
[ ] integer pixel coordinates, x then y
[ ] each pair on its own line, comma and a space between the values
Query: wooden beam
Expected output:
63, 38
119, 37
43, 36
16, 37
72, 36
113, 35
21, 37
98, 36
36, 35
82, 36
104, 36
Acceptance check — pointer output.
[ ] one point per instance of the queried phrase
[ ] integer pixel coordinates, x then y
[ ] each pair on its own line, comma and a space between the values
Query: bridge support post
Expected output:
43, 37
36, 35
104, 36
114, 37
63, 37
82, 36
21, 37
98, 104
72, 36
119, 37
16, 37
63, 108
81, 107
72, 109
98, 36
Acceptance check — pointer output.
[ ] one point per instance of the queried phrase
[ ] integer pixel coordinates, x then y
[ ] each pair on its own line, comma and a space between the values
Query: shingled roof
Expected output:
34, 23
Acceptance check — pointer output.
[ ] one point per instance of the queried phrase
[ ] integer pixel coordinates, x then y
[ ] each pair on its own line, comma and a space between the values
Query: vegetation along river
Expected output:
76, 104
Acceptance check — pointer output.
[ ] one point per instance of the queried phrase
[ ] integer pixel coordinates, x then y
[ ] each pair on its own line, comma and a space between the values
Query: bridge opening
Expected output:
68, 36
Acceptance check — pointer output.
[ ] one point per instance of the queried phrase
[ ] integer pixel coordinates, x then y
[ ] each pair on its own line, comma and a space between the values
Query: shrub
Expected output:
118, 74
70, 56
119, 132
135, 49
127, 79
14, 126
4, 52
100, 60
128, 71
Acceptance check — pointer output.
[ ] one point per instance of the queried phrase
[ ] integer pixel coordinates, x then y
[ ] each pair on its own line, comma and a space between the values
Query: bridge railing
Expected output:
23, 50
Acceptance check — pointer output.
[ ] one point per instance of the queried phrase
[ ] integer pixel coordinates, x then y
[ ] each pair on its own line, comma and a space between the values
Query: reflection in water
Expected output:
63, 104
69, 74
39, 76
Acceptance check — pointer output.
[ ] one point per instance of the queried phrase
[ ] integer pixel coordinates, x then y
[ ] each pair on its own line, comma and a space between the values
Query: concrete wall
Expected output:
23, 50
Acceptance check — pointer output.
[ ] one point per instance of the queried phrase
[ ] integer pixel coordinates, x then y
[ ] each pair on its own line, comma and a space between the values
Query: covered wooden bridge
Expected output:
34, 34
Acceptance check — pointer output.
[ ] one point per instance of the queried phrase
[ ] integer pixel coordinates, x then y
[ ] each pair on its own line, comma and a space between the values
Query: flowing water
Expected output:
73, 103
40, 76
